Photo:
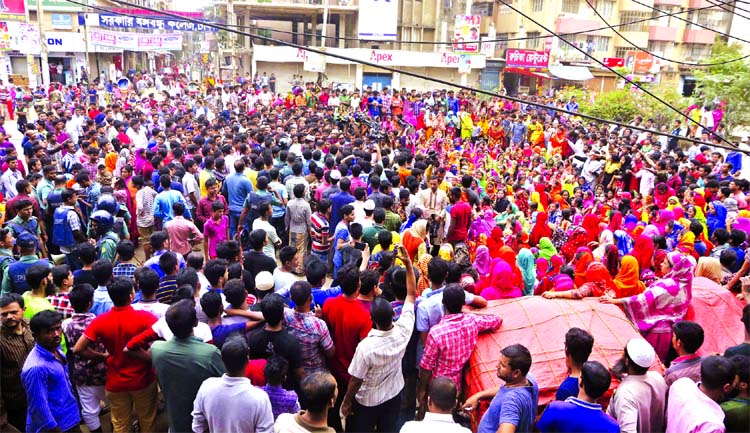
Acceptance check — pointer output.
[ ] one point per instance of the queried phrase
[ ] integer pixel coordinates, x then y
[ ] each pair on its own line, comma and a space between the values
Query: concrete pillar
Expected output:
358, 76
314, 30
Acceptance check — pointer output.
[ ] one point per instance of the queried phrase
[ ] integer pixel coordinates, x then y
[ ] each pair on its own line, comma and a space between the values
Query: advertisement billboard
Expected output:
378, 20
639, 62
526, 59
466, 33
14, 10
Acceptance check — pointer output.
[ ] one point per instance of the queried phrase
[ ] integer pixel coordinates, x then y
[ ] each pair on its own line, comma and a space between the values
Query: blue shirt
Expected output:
48, 391
574, 416
568, 388
342, 232
515, 406
102, 302
339, 200
238, 186
220, 333
163, 205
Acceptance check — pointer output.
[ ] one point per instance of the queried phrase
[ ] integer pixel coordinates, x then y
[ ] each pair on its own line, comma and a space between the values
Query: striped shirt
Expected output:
377, 360
14, 348
167, 287
319, 233
314, 338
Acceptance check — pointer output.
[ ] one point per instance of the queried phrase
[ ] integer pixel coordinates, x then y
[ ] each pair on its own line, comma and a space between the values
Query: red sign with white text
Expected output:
613, 62
526, 59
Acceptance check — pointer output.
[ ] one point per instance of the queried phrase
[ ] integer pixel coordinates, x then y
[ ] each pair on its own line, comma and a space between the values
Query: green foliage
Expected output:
623, 105
729, 82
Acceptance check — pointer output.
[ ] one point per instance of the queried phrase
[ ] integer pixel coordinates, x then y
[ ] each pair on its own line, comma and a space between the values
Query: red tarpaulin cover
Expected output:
540, 325
719, 312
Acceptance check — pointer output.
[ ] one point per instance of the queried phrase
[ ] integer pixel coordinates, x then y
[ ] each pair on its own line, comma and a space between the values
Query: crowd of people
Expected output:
303, 262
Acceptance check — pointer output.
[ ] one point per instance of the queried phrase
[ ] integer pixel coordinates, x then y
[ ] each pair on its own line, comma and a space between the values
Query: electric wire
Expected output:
730, 147
446, 43
694, 23
734, 12
679, 62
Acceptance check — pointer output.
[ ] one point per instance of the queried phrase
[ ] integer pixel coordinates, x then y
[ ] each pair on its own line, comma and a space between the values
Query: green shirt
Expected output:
737, 414
392, 221
182, 364
33, 305
370, 234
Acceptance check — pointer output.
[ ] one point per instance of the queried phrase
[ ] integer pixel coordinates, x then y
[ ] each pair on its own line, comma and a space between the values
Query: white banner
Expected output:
395, 58
378, 20
314, 62
136, 41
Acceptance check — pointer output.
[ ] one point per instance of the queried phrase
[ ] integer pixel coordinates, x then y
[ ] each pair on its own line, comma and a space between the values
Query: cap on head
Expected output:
641, 352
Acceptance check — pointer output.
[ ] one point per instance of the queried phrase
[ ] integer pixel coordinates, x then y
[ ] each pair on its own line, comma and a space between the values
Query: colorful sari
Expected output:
500, 286
581, 265
527, 266
628, 281
662, 304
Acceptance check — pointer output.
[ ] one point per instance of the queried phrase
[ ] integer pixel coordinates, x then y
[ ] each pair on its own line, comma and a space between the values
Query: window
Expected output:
483, 9
537, 5
533, 42
658, 47
504, 10
502, 43
698, 51
627, 23
621, 51
605, 7
570, 6
601, 43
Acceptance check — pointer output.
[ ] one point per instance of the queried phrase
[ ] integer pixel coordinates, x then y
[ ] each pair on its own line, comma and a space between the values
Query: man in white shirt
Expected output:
373, 397
220, 399
190, 185
10, 177
441, 402
137, 135
638, 404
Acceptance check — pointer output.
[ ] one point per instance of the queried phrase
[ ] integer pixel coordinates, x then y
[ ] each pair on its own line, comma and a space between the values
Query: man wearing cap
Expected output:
638, 403
14, 277
25, 223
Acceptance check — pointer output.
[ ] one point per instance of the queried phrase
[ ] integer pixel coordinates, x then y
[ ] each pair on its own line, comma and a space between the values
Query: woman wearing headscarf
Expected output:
611, 260
415, 240
708, 274
665, 217
615, 221
717, 217
509, 256
591, 225
598, 283
628, 280
547, 281
527, 265
605, 238
582, 262
424, 281
500, 286
662, 304
483, 265
546, 248
540, 230
494, 242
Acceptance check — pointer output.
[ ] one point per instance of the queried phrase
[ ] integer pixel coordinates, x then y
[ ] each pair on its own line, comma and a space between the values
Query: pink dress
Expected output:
215, 233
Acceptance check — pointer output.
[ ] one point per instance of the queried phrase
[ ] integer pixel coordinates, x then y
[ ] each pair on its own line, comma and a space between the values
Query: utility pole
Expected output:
43, 36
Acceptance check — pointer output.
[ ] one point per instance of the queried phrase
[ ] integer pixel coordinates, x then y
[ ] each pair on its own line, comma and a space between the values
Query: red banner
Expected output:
526, 59
613, 62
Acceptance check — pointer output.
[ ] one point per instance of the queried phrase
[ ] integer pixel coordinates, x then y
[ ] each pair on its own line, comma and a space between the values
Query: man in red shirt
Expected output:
349, 323
460, 217
131, 384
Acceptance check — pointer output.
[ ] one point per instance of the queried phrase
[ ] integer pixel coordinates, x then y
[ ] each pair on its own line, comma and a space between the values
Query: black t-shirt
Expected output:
740, 349
264, 344
256, 263
83, 276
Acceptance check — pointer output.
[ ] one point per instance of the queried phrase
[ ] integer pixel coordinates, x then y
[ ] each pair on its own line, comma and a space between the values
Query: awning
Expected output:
571, 73
539, 73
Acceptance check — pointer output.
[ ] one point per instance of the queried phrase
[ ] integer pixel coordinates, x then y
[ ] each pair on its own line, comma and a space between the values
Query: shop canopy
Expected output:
570, 73
532, 72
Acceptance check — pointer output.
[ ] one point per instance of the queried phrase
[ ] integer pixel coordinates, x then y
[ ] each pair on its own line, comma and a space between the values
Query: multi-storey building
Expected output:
424, 24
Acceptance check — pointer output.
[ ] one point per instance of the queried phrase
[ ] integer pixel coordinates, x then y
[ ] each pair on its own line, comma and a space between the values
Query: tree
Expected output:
728, 82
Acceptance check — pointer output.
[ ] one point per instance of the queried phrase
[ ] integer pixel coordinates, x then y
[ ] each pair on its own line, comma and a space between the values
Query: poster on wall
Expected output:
464, 64
466, 33
5, 41
12, 10
314, 62
378, 20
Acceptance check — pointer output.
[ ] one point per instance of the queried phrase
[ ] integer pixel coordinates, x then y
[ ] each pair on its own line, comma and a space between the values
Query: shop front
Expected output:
287, 63
526, 71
